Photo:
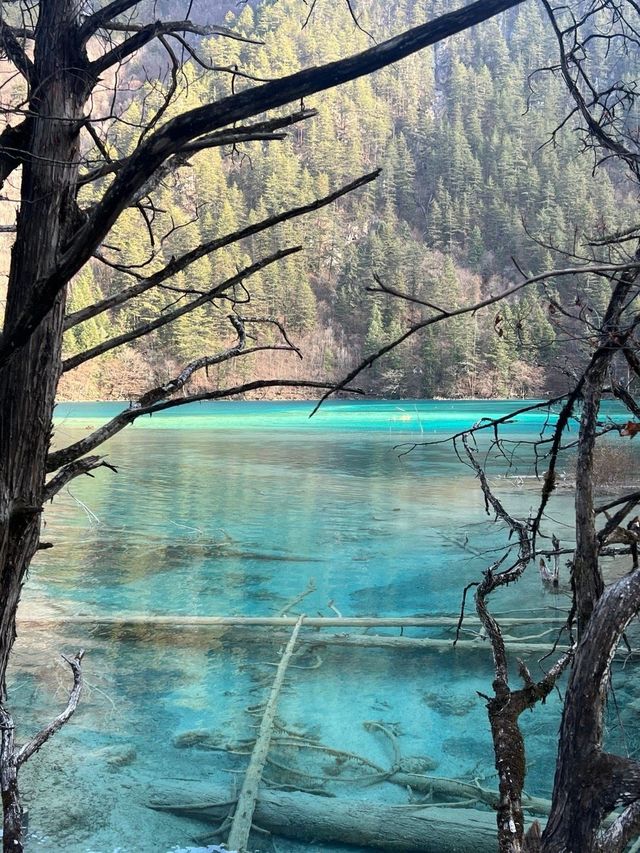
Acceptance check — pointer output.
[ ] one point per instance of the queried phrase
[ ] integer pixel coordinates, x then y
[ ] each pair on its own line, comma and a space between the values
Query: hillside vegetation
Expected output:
473, 177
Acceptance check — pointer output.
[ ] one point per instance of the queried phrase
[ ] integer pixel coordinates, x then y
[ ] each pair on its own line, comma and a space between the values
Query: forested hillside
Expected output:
471, 180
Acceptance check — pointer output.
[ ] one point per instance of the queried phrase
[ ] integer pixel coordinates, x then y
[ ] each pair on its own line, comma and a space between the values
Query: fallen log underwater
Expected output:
378, 641
246, 624
178, 621
419, 782
366, 823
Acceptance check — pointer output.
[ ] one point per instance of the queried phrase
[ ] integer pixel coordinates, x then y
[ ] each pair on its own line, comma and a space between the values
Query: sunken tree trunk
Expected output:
58, 88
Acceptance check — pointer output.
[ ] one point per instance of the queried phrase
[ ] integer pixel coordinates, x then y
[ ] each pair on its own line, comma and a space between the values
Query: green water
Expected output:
234, 508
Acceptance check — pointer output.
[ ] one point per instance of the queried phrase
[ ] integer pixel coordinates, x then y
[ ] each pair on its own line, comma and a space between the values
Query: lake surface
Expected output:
236, 509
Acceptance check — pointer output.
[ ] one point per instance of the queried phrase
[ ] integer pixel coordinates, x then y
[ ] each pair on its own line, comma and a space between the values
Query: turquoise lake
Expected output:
236, 508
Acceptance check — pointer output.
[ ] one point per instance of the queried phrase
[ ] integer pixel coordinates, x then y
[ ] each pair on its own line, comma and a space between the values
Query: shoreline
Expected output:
361, 398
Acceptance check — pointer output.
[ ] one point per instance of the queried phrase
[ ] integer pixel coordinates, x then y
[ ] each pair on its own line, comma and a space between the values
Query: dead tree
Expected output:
591, 785
63, 51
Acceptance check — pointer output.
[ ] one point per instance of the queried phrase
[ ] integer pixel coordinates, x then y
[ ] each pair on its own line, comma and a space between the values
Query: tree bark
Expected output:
586, 576
12, 824
588, 782
28, 381
431, 829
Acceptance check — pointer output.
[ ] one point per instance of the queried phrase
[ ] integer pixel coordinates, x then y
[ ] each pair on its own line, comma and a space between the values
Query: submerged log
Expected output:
178, 621
249, 623
401, 773
378, 641
243, 815
366, 823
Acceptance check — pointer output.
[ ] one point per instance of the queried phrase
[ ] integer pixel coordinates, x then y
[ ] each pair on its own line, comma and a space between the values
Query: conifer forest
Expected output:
479, 183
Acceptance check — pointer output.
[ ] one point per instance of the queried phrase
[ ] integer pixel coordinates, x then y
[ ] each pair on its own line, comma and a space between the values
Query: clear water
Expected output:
233, 508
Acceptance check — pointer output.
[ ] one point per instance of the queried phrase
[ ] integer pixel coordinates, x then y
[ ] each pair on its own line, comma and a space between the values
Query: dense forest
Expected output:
476, 189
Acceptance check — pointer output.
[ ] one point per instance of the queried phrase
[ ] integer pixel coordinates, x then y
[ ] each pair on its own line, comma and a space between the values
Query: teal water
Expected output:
235, 508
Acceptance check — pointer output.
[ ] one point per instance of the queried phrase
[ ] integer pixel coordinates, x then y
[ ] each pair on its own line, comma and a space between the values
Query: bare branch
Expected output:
617, 237
70, 472
596, 128
485, 423
178, 264
263, 130
195, 123
15, 53
170, 316
162, 392
96, 21
127, 416
144, 34
69, 456
471, 309
43, 736
624, 396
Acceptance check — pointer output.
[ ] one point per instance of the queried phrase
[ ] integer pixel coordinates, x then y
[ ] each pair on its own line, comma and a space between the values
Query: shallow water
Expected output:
235, 508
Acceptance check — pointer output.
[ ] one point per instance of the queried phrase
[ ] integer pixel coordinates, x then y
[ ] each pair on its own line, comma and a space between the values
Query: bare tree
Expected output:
66, 56
596, 797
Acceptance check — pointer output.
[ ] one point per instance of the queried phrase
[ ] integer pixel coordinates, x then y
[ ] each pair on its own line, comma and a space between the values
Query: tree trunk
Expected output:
430, 829
586, 576
28, 382
12, 828
589, 783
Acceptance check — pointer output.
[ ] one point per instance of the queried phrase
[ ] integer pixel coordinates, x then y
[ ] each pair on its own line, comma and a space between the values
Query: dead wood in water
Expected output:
398, 774
366, 823
243, 816
366, 641
377, 641
180, 621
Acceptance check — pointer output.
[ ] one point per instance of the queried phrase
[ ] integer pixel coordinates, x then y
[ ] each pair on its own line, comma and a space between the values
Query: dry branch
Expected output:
172, 136
127, 416
171, 316
12, 759
73, 470
36, 743
184, 261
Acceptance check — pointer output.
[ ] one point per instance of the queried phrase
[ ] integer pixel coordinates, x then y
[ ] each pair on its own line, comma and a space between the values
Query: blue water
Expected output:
235, 508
